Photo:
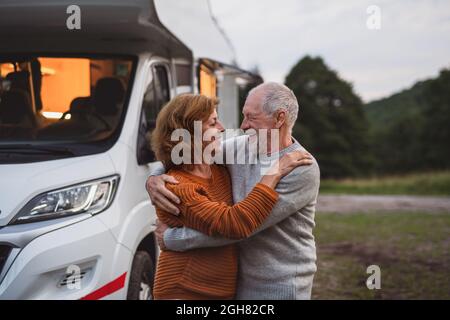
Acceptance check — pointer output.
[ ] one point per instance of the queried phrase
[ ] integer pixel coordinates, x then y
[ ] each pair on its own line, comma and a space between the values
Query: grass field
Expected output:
434, 183
412, 250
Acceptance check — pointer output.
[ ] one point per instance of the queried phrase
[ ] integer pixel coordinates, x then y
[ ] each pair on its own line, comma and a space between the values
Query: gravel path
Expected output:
358, 203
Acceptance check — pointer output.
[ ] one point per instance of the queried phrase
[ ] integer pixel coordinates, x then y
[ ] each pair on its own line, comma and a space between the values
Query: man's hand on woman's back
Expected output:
161, 197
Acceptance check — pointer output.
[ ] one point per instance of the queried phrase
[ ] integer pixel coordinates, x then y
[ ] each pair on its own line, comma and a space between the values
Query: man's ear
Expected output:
280, 119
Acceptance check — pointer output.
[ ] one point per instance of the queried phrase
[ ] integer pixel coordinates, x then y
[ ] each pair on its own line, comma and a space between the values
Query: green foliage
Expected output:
436, 134
332, 123
386, 111
410, 130
425, 183
406, 132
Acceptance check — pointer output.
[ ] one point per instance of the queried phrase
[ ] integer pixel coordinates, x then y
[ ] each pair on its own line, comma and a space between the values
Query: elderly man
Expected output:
279, 260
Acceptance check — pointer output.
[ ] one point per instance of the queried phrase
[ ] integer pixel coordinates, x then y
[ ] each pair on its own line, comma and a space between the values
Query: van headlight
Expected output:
91, 197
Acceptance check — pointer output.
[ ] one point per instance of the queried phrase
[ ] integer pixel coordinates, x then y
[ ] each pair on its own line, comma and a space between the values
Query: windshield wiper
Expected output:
35, 149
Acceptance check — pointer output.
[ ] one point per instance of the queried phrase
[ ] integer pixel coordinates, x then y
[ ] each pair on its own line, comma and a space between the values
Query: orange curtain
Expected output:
63, 79
208, 82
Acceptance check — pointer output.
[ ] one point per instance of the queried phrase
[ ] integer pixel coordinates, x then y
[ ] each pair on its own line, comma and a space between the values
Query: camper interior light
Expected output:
55, 115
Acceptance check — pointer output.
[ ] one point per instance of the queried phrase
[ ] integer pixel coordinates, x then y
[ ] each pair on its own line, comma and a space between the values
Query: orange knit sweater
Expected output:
207, 206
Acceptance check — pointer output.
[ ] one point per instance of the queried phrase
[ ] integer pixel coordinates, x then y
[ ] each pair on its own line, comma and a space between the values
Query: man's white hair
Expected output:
276, 96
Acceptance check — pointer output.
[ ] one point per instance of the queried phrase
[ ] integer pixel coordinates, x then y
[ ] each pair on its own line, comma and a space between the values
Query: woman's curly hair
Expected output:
179, 113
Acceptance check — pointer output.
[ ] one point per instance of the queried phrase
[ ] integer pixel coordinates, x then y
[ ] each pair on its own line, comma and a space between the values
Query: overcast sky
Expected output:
413, 42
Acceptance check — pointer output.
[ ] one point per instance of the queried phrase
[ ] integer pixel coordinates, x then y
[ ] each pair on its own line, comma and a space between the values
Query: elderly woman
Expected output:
206, 205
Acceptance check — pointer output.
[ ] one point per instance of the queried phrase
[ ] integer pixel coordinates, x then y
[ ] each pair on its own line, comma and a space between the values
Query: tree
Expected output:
332, 123
410, 129
436, 134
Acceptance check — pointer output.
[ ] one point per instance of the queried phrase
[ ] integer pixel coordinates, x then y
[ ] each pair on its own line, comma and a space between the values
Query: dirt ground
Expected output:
375, 203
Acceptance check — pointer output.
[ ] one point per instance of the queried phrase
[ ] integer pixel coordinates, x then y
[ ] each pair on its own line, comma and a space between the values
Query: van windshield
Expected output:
61, 101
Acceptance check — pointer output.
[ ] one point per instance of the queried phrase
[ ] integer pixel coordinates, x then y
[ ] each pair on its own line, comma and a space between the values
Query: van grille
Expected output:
4, 253
72, 279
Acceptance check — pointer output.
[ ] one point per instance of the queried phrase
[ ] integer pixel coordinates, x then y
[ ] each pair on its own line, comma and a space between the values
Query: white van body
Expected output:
90, 255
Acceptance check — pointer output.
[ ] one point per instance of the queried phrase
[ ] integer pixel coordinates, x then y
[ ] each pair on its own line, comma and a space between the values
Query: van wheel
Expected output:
141, 277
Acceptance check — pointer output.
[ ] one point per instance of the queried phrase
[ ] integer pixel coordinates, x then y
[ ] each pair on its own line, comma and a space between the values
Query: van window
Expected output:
156, 95
162, 86
184, 74
61, 100
208, 82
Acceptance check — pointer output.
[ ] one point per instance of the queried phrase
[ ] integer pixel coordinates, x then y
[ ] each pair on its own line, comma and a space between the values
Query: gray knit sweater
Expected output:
279, 260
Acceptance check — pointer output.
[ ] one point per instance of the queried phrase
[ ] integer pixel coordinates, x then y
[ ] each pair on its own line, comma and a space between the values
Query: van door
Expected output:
157, 94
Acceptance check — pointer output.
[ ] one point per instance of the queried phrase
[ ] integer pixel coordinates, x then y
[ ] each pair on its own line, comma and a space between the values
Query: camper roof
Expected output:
107, 26
230, 70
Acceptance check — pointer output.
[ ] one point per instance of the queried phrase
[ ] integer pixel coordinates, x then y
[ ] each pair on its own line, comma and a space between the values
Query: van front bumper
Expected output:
63, 259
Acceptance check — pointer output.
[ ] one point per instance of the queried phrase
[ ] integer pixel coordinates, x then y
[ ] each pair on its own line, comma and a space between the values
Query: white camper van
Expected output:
76, 109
